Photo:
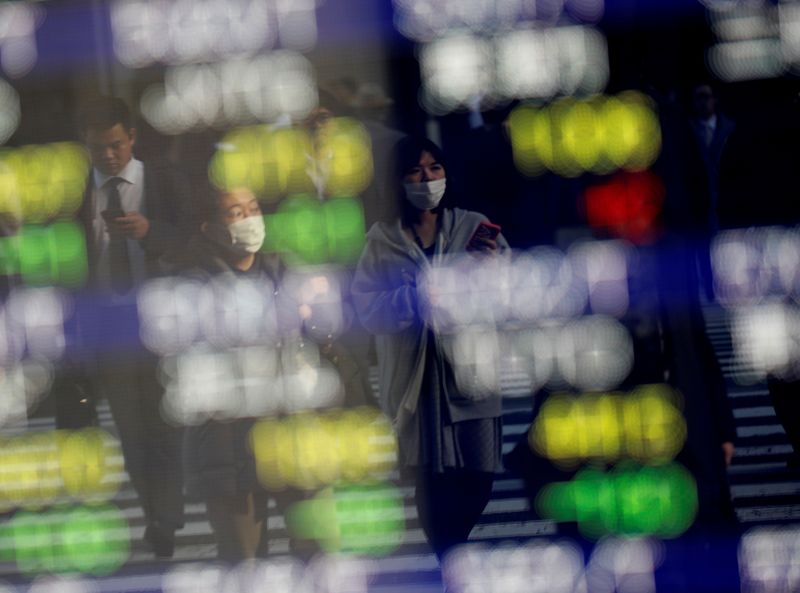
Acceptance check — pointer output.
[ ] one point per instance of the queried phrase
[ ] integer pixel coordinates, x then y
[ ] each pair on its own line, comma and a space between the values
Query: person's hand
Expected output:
482, 246
133, 226
727, 449
427, 298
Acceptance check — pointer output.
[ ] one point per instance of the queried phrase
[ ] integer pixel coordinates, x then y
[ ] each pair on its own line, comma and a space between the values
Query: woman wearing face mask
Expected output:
218, 458
219, 465
450, 443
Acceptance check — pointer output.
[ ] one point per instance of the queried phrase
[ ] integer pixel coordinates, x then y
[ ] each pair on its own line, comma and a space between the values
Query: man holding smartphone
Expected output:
132, 216
129, 208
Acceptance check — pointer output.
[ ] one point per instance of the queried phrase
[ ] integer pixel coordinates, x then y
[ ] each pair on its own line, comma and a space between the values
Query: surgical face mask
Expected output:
425, 195
248, 234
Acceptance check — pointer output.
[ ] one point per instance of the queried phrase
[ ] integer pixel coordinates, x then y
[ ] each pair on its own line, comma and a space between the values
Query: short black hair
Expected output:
206, 205
407, 152
406, 156
103, 113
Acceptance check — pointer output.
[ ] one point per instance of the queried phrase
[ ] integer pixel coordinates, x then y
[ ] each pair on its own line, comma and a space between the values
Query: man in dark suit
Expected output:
131, 212
711, 130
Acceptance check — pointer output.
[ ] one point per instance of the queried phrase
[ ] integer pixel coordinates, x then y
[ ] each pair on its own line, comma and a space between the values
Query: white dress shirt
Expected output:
131, 194
709, 127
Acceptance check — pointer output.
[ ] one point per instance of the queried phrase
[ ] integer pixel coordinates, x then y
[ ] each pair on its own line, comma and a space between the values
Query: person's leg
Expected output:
301, 544
150, 446
236, 525
450, 504
163, 443
785, 396
116, 380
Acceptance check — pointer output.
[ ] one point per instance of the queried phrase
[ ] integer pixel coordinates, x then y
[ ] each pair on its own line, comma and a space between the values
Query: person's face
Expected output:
704, 101
111, 149
237, 205
427, 169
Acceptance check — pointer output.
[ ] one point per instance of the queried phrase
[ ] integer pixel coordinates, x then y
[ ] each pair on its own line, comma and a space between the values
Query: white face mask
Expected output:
248, 234
425, 195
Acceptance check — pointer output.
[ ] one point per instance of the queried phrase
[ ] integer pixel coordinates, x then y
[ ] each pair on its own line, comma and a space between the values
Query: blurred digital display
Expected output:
756, 265
83, 539
367, 519
42, 182
10, 108
40, 469
273, 162
519, 64
526, 314
177, 313
765, 340
599, 134
615, 564
756, 40
183, 31
18, 51
628, 205
54, 254
247, 90
332, 574
425, 20
32, 340
630, 499
756, 276
538, 285
312, 450
535, 567
646, 425
33, 321
768, 558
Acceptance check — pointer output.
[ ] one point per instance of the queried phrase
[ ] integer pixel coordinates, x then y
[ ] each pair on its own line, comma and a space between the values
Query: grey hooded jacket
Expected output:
389, 305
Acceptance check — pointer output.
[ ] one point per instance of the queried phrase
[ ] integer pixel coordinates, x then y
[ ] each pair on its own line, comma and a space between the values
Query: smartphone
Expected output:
109, 215
485, 230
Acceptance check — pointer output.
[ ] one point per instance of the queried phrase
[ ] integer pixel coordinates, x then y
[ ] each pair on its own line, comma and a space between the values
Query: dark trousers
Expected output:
449, 505
150, 445
785, 397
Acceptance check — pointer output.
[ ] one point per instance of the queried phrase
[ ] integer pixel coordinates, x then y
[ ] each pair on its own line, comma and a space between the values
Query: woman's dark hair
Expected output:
406, 156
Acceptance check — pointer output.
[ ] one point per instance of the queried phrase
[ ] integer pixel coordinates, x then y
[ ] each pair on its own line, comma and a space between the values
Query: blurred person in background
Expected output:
672, 346
665, 317
711, 130
131, 213
449, 442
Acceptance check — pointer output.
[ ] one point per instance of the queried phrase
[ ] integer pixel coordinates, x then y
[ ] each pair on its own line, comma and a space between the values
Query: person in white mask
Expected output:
449, 440
236, 228
219, 467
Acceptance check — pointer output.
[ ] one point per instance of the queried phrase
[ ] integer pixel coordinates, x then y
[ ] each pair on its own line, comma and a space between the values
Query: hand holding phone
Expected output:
483, 239
109, 215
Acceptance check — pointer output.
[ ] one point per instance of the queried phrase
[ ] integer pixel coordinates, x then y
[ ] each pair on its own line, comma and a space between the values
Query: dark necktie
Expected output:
118, 260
